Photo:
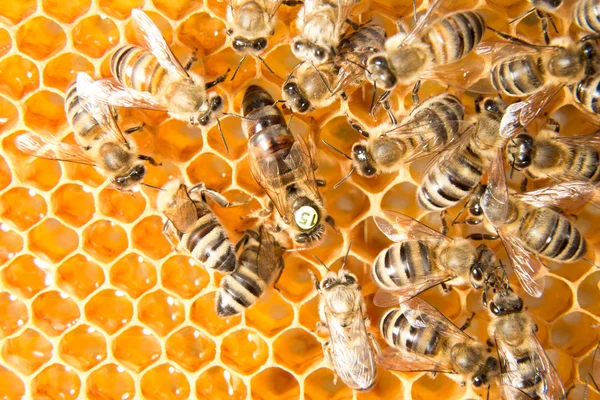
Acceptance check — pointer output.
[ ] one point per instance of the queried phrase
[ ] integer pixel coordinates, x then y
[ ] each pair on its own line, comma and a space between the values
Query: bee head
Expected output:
506, 303
483, 266
362, 161
379, 72
492, 106
133, 177
304, 50
307, 218
249, 46
591, 59
482, 376
295, 99
519, 151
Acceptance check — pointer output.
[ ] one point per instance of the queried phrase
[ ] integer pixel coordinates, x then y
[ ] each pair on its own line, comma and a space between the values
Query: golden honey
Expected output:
95, 304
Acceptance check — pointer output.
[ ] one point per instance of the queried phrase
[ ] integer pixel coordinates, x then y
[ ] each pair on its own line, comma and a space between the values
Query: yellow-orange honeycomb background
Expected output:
95, 304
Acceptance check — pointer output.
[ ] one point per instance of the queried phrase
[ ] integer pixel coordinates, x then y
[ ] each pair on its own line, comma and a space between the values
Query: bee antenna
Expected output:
237, 68
265, 64
222, 135
344, 178
322, 263
347, 253
292, 73
455, 221
153, 187
332, 147
590, 262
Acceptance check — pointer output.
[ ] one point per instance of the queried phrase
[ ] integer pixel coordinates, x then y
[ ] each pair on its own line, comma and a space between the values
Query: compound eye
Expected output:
490, 106
327, 284
216, 103
479, 380
138, 173
306, 217
477, 273
303, 105
259, 44
291, 88
380, 61
361, 152
320, 54
203, 120
298, 45
350, 279
238, 44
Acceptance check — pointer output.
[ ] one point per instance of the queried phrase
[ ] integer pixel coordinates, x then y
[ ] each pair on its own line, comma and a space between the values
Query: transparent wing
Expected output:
429, 19
181, 210
344, 8
567, 196
399, 227
52, 149
537, 102
301, 156
149, 34
398, 359
587, 141
96, 108
421, 314
269, 256
510, 125
525, 264
264, 172
114, 94
495, 202
384, 298
502, 51
352, 354
461, 73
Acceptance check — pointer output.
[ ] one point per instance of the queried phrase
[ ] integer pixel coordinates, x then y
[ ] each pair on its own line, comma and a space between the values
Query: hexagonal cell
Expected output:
11, 384
110, 382
177, 9
124, 207
572, 271
553, 306
295, 282
161, 312
44, 112
11, 244
109, 310
190, 348
14, 314
23, 207
271, 314
573, 334
20, 76
18, 11
202, 32
274, 382
178, 140
79, 276
244, 351
133, 274
136, 348
367, 239
56, 382
401, 198
204, 315
218, 63
26, 276
5, 42
245, 180
52, 240
9, 116
309, 314
105, 240
40, 38
181, 275
346, 204
83, 347
66, 12
320, 385
165, 382
27, 352
119, 9
218, 383
587, 293
220, 176
54, 312
147, 237
95, 36
237, 143
297, 350
61, 71
73, 204
426, 388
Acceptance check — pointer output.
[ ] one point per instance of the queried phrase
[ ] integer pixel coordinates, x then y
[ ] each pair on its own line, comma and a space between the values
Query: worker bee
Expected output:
585, 15
540, 72
309, 87
152, 78
456, 171
560, 158
192, 225
422, 258
428, 52
430, 126
526, 369
320, 23
283, 164
259, 264
422, 339
351, 349
531, 225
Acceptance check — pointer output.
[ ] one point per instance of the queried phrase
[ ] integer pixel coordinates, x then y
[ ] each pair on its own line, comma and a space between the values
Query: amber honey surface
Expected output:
95, 304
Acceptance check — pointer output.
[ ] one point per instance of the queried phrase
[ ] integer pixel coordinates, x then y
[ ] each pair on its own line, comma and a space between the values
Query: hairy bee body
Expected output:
587, 93
586, 15
456, 173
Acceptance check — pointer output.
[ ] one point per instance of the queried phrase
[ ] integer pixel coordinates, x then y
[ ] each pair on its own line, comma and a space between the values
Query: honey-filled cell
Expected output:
110, 381
136, 348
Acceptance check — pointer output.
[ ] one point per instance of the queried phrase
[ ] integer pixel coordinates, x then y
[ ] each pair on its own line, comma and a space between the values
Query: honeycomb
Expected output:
95, 304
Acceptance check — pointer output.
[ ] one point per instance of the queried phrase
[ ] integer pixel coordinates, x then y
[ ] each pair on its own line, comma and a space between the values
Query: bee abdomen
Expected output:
584, 164
455, 36
586, 14
444, 114
587, 93
239, 290
137, 68
518, 77
398, 332
402, 263
83, 123
208, 243
256, 98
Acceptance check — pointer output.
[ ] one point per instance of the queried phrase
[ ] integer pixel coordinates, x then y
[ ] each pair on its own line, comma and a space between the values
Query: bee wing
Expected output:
399, 227
302, 155
384, 298
567, 196
181, 210
429, 19
525, 264
353, 356
269, 256
501, 51
50, 148
587, 141
275, 192
421, 314
535, 103
344, 8
398, 359
495, 202
510, 125
149, 34
462, 73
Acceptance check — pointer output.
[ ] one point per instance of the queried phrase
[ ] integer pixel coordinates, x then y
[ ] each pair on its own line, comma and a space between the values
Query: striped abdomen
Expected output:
586, 14
402, 263
84, 125
587, 93
209, 244
137, 68
551, 235
454, 36
583, 164
519, 77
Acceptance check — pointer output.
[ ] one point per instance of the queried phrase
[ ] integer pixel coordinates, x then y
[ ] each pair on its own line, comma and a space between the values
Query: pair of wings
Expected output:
313, 7
269, 261
181, 210
420, 315
353, 356
399, 227
270, 6
511, 380
300, 160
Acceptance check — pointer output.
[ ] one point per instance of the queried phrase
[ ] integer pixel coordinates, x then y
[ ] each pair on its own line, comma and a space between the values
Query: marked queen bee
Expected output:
100, 141
283, 164
422, 339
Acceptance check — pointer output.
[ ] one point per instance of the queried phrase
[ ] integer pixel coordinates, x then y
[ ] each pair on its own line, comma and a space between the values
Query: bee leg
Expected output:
242, 242
168, 231
508, 37
356, 126
216, 196
544, 21
415, 92
367, 321
320, 182
329, 219
467, 322
482, 236
524, 184
352, 24
445, 227
445, 287
149, 159
191, 61
218, 80
134, 129
344, 96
